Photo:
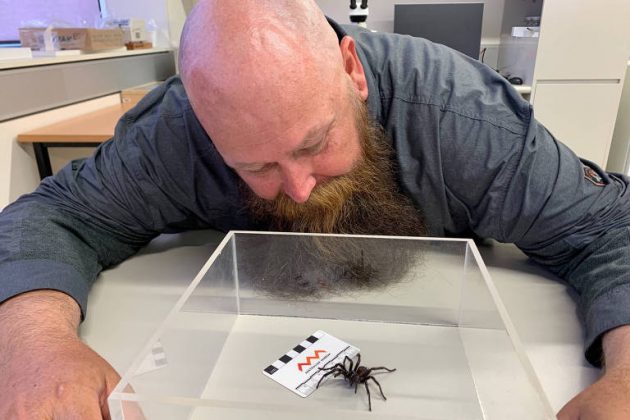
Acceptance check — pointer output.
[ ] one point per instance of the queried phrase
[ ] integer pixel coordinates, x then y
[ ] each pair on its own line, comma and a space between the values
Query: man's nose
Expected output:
298, 182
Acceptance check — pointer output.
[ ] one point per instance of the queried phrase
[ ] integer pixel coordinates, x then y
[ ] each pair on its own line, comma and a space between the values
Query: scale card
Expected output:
299, 369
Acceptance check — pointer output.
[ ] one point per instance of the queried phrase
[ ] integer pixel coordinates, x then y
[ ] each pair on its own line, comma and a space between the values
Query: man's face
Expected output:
364, 200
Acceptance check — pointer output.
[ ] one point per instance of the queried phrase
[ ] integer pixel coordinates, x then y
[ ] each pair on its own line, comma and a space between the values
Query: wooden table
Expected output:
86, 130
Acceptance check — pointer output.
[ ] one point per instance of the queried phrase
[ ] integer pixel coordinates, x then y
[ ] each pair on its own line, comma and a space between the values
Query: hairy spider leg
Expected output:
379, 386
380, 368
356, 367
367, 388
367, 375
337, 369
338, 366
351, 363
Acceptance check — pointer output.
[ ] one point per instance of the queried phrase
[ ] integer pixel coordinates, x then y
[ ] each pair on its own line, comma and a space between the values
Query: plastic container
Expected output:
424, 306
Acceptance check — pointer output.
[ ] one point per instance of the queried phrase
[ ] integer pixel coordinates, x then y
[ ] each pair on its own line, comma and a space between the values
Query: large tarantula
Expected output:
355, 375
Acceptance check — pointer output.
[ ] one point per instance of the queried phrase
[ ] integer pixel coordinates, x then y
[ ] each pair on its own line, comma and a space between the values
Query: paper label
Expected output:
300, 368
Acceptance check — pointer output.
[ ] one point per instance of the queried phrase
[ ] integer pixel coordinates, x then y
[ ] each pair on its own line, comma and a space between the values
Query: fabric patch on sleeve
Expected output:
591, 175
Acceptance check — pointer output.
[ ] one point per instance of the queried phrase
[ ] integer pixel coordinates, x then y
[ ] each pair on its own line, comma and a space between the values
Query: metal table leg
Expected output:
43, 160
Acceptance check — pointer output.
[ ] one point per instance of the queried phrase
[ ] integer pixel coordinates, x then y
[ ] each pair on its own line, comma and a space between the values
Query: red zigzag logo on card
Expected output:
310, 358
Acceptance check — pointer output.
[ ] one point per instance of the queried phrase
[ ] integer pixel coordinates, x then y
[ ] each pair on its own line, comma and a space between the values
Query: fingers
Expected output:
131, 410
104, 406
111, 380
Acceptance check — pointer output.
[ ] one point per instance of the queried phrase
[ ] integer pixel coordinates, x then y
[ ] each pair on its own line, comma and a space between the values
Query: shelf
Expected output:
43, 61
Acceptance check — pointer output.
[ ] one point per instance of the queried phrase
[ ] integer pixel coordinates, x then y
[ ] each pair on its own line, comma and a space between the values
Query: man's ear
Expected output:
353, 67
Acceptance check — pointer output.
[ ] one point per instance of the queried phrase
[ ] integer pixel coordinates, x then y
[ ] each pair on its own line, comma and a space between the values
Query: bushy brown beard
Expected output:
367, 200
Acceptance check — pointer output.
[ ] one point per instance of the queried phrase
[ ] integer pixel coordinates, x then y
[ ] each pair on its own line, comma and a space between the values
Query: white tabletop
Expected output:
128, 302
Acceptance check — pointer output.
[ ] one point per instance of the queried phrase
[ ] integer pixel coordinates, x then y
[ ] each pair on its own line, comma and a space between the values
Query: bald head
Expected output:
220, 21
251, 58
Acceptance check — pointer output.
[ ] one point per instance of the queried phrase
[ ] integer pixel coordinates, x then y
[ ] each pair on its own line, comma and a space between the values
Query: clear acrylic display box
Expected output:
424, 306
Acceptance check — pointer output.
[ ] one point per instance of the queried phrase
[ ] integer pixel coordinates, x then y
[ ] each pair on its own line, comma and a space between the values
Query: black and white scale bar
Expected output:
286, 358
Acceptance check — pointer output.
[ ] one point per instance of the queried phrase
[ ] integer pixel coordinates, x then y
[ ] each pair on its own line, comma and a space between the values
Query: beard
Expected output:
367, 200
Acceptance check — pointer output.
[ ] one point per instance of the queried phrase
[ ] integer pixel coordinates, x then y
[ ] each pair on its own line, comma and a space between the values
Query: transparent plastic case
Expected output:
424, 306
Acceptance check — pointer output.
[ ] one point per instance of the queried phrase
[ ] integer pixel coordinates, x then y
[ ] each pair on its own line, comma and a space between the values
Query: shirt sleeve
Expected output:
570, 215
564, 212
160, 173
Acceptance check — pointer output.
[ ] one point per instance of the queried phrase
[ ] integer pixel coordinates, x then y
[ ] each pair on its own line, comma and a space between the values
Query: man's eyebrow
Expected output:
248, 166
314, 136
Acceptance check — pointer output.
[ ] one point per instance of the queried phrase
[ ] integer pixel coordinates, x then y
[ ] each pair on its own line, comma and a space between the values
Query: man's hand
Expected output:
47, 372
608, 398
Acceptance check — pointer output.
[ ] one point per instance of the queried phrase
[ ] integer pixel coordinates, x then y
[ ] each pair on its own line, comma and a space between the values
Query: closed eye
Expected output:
261, 170
315, 149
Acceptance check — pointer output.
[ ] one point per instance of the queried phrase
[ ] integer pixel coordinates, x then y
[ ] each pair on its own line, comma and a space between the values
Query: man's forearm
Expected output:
616, 347
37, 313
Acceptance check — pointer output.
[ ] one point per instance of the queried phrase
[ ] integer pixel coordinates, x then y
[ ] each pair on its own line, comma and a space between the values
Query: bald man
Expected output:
284, 120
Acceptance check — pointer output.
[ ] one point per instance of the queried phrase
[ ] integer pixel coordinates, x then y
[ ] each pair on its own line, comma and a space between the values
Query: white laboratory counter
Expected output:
127, 304
84, 56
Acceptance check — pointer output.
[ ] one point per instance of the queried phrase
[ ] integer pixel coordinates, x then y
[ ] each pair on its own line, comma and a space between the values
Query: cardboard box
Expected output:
134, 30
71, 38
138, 45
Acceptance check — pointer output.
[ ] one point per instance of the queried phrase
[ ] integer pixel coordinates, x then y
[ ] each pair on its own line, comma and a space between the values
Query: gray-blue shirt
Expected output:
471, 155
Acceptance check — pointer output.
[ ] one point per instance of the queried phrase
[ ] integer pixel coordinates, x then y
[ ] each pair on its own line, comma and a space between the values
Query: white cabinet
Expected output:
579, 72
583, 39
619, 156
580, 115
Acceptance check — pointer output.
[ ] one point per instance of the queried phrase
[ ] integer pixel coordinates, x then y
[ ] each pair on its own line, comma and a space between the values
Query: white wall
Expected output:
18, 169
177, 12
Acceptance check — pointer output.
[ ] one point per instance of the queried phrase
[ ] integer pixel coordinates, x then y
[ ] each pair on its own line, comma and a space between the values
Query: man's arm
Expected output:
47, 372
574, 219
160, 173
524, 187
